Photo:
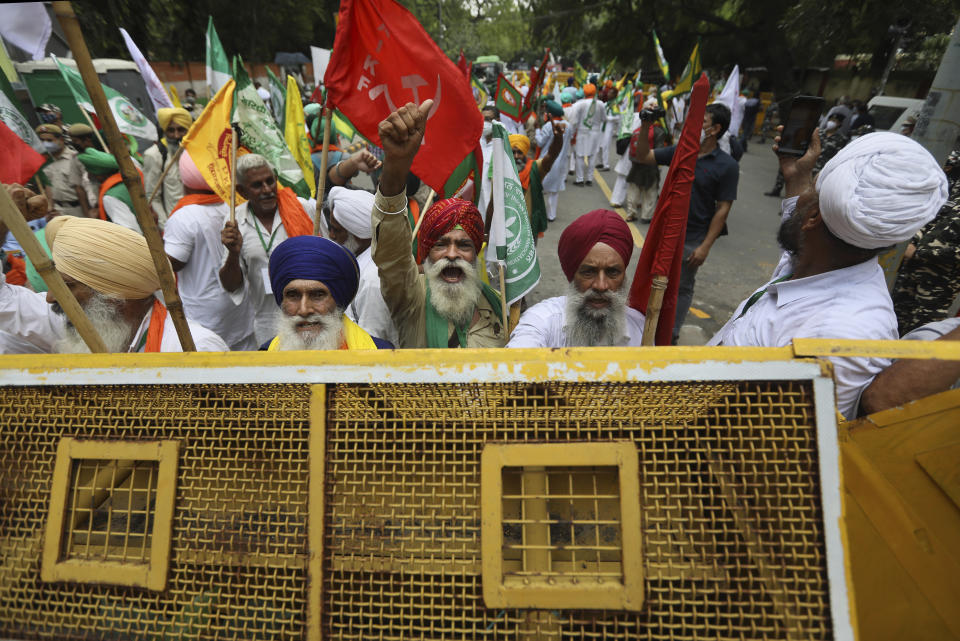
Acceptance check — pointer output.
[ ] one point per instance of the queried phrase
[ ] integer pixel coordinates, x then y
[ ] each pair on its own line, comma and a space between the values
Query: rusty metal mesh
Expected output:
730, 508
238, 553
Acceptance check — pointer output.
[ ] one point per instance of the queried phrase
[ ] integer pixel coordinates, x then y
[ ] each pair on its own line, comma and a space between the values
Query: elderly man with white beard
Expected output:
109, 270
313, 280
594, 252
448, 305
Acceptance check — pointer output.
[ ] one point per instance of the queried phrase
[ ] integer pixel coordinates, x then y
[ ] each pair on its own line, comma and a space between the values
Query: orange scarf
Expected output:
414, 210
106, 186
525, 175
292, 214
196, 199
158, 317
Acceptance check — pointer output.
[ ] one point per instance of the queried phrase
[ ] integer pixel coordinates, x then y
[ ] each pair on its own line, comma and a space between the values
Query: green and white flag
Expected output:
259, 132
218, 67
511, 237
661, 59
278, 99
13, 118
129, 119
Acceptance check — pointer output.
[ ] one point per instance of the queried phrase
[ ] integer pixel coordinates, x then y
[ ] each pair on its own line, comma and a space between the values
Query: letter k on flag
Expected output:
382, 59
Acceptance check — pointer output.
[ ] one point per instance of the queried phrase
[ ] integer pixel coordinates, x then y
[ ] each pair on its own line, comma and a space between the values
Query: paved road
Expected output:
737, 265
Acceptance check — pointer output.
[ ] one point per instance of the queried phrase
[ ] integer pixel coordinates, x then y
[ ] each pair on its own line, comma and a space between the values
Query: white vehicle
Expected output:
890, 112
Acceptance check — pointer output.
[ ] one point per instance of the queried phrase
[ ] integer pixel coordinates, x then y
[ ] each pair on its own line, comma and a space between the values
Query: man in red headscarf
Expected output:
448, 305
594, 252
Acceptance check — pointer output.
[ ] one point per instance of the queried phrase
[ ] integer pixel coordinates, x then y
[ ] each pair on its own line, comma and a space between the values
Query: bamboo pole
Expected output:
131, 177
324, 153
505, 312
15, 222
96, 132
159, 185
426, 206
654, 304
234, 135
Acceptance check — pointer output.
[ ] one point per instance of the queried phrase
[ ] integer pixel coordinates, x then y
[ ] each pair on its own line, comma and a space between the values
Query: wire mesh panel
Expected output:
732, 539
238, 551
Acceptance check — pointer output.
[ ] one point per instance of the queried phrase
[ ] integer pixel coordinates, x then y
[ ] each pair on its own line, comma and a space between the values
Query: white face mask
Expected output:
703, 135
487, 129
831, 125
50, 146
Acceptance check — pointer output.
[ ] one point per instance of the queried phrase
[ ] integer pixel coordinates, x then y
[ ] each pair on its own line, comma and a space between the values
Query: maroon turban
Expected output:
445, 215
599, 226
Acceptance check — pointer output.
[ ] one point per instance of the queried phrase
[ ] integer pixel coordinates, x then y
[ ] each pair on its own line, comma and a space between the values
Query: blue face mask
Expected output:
47, 117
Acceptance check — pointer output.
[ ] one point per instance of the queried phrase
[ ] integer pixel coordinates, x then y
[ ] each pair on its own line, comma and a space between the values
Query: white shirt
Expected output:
588, 127
368, 309
192, 236
852, 302
255, 262
118, 212
26, 315
555, 180
542, 326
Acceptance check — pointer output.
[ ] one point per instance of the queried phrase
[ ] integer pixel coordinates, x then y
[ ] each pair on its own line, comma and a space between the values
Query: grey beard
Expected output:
104, 314
325, 337
352, 244
588, 327
454, 301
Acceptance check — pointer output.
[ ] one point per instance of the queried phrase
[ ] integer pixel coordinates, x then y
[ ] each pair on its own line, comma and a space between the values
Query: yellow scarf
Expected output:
354, 338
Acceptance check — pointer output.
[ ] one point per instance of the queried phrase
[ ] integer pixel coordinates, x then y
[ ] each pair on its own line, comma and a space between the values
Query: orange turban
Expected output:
521, 142
589, 89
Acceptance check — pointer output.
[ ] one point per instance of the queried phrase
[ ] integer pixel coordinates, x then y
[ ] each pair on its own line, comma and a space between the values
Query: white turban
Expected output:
880, 190
352, 208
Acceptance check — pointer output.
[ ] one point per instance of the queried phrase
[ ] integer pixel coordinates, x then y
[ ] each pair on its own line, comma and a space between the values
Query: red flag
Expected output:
464, 65
537, 76
18, 162
663, 247
382, 59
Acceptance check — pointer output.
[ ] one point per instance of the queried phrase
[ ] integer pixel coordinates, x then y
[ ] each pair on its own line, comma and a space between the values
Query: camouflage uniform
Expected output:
830, 146
929, 282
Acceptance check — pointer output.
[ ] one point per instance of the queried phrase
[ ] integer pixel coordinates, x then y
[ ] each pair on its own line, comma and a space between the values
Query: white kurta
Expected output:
852, 302
542, 326
587, 119
555, 180
368, 309
255, 263
192, 236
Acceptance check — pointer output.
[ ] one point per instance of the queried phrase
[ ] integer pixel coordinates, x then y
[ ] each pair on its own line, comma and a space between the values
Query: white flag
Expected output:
321, 58
730, 96
26, 25
158, 96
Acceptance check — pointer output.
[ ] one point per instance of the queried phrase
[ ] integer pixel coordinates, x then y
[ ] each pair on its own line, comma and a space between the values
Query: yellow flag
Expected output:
208, 142
174, 97
295, 133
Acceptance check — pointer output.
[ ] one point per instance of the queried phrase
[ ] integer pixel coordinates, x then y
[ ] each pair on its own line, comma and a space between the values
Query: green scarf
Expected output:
538, 213
437, 336
119, 191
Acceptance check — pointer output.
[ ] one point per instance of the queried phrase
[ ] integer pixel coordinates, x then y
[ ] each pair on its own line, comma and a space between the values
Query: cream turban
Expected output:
352, 208
880, 189
177, 115
108, 258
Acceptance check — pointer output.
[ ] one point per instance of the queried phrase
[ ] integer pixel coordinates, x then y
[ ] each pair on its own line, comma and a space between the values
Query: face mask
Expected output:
487, 129
831, 125
173, 142
48, 117
51, 146
703, 135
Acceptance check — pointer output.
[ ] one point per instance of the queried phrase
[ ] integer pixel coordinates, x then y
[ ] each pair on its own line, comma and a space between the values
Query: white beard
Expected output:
589, 327
454, 301
352, 245
104, 314
326, 336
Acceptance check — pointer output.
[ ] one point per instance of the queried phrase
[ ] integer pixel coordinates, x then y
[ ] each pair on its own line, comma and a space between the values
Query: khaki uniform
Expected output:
172, 190
404, 288
64, 176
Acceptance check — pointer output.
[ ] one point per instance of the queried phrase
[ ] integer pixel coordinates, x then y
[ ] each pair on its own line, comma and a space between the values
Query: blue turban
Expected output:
315, 258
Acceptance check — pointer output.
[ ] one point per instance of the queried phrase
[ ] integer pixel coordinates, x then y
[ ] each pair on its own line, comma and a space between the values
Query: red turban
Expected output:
443, 216
599, 226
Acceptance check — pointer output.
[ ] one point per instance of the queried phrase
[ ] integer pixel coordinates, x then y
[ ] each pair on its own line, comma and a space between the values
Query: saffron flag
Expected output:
158, 96
509, 99
382, 59
18, 162
129, 119
690, 72
663, 248
174, 97
295, 133
479, 92
259, 132
218, 67
661, 59
208, 141
511, 236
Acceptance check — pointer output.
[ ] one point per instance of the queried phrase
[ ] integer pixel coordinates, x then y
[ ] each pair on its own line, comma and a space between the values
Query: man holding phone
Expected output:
714, 189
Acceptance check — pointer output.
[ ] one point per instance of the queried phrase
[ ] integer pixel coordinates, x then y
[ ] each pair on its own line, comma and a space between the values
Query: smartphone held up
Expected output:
802, 117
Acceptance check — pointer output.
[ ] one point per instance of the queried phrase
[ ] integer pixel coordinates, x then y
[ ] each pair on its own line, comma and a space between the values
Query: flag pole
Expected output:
426, 206
234, 135
131, 177
173, 161
16, 223
324, 153
96, 131
505, 312
658, 287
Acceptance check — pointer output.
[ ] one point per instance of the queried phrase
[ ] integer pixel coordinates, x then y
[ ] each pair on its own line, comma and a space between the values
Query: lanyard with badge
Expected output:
265, 271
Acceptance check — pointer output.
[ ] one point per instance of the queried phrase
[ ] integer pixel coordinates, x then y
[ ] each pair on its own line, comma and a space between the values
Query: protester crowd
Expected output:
402, 268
